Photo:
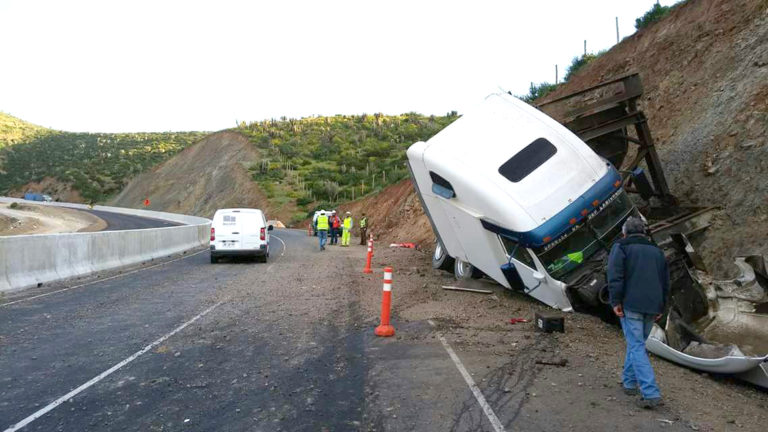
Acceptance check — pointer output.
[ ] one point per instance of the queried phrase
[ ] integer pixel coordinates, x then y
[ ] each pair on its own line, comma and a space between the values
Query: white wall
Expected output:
28, 260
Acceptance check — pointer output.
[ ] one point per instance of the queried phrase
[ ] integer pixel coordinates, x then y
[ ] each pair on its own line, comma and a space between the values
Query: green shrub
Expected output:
578, 63
538, 91
15, 205
656, 13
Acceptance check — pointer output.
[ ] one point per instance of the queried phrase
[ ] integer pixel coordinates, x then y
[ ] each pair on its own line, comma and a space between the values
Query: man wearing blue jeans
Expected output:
638, 283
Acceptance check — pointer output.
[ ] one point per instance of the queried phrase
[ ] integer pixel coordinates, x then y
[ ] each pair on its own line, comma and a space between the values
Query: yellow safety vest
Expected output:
322, 223
363, 222
348, 223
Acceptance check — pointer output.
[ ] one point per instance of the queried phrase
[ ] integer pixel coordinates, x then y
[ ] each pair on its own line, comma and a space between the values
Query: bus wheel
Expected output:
440, 259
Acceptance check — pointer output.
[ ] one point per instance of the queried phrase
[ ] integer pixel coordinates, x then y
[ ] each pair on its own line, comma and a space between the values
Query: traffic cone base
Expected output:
384, 331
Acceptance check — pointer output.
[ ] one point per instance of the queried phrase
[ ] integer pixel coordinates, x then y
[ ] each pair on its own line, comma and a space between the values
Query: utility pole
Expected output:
556, 77
617, 29
585, 47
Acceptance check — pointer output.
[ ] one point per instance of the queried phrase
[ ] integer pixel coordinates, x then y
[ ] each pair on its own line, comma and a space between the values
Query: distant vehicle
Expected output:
516, 196
37, 197
240, 232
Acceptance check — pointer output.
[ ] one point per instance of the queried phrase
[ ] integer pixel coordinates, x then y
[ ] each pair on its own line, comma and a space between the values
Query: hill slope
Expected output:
78, 166
208, 175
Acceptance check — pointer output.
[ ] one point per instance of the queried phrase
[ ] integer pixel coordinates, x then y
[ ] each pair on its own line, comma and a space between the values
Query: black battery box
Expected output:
549, 322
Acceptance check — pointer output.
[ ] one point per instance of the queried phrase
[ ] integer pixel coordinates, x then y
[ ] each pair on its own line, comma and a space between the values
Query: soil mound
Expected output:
209, 175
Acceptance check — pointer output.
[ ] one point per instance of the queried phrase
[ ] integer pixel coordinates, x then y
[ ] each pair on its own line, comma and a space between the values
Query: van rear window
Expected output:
527, 160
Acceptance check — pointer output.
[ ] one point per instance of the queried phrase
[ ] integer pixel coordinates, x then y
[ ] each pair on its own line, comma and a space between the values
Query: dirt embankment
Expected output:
33, 219
705, 74
395, 214
209, 175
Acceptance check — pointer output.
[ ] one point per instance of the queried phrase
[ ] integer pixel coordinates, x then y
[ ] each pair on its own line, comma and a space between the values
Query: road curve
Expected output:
120, 222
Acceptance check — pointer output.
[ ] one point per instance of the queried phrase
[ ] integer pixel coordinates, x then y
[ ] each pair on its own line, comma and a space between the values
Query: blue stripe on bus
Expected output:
561, 222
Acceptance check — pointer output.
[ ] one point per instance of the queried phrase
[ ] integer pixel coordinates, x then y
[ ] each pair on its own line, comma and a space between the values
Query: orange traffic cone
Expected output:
385, 329
367, 268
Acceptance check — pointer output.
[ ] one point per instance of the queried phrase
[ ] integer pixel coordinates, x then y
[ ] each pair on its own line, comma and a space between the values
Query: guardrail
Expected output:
30, 260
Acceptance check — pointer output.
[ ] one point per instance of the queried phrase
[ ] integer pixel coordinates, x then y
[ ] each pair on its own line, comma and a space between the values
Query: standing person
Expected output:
322, 229
335, 226
638, 283
363, 229
347, 227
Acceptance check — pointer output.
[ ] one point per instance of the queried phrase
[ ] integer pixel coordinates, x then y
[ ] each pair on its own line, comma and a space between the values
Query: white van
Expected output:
240, 232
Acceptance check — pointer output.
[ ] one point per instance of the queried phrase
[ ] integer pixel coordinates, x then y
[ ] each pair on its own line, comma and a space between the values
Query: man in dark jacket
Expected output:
638, 282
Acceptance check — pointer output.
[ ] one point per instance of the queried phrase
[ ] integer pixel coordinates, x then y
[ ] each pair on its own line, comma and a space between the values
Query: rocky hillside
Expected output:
705, 72
208, 175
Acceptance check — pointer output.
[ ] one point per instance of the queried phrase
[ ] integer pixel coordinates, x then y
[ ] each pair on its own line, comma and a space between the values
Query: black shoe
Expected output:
630, 391
649, 403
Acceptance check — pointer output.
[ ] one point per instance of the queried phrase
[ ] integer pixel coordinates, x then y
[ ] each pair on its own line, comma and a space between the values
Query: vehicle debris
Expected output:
404, 245
517, 320
480, 291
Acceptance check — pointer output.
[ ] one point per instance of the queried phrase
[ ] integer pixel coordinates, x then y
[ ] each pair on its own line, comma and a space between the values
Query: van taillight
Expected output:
263, 233
213, 234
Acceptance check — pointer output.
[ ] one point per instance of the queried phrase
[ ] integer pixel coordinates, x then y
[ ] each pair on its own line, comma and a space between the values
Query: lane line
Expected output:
102, 280
281, 241
106, 373
495, 422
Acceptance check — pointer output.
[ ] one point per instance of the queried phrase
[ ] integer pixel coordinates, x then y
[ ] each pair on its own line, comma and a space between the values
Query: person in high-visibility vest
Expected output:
347, 227
363, 229
322, 229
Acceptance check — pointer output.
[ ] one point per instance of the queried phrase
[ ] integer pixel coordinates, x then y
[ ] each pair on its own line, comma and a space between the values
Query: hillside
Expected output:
322, 161
208, 175
705, 72
13, 130
78, 166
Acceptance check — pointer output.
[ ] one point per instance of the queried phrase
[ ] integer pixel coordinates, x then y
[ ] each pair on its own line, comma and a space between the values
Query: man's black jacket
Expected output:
638, 276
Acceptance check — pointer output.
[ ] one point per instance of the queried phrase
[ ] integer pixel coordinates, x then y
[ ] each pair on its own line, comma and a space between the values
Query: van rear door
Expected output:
251, 224
229, 233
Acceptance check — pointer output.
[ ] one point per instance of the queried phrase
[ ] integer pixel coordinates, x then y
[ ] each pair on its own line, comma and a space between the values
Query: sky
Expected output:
163, 65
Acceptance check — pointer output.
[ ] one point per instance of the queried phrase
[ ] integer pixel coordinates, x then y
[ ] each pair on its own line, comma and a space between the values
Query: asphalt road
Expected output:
244, 346
120, 222
238, 367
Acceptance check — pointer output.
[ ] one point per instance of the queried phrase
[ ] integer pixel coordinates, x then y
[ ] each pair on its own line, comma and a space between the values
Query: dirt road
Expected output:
37, 219
288, 345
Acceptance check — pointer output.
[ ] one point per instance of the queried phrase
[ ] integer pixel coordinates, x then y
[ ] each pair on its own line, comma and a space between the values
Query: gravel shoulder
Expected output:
504, 359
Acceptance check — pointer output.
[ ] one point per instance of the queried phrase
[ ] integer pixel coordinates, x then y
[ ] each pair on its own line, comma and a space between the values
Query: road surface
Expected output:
120, 222
238, 345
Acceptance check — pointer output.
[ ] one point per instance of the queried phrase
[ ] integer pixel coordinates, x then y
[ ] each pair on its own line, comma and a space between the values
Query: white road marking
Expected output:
495, 422
106, 373
102, 280
281, 241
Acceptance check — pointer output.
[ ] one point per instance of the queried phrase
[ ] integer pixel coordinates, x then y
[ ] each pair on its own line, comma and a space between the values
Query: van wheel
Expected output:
463, 270
440, 259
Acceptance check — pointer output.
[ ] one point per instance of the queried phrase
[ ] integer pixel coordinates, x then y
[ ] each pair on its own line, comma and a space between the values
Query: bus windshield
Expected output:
587, 239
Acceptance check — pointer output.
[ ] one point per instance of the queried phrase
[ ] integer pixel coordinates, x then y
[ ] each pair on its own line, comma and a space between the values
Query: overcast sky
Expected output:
126, 66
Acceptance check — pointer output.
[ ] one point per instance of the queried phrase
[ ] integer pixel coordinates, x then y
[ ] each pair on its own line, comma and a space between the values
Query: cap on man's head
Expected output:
633, 225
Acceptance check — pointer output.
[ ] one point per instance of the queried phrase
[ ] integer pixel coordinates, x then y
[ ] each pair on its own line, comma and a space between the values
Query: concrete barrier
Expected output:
29, 260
